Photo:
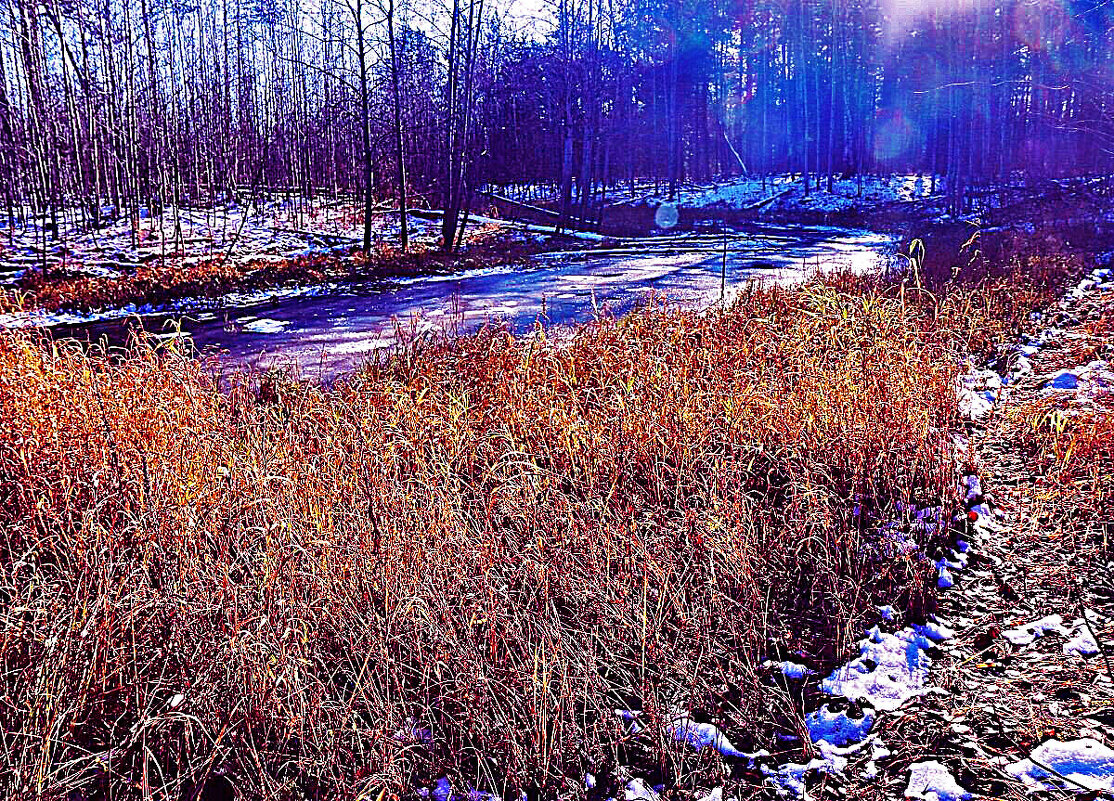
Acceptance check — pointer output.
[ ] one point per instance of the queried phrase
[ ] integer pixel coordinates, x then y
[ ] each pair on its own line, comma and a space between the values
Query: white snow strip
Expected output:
31, 319
878, 750
974, 405
715, 795
638, 790
704, 735
935, 631
1083, 642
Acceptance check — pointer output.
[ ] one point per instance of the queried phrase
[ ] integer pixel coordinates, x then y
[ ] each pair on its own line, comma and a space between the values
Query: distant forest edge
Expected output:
107, 107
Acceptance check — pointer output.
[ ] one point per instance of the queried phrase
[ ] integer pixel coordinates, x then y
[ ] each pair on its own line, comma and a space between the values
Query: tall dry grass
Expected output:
499, 540
165, 280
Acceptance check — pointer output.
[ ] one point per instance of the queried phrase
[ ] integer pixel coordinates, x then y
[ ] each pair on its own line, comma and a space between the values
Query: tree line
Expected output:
110, 107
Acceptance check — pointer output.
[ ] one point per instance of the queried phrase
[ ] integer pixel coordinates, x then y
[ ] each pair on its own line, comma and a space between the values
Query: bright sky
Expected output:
530, 15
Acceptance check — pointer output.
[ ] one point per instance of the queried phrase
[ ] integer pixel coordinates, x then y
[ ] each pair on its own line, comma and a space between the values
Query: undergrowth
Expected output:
497, 540
164, 280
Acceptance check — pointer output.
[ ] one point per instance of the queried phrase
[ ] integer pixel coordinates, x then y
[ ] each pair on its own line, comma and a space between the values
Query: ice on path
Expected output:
932, 781
1084, 764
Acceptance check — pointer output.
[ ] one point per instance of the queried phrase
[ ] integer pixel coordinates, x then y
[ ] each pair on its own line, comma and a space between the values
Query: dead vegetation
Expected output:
497, 541
165, 279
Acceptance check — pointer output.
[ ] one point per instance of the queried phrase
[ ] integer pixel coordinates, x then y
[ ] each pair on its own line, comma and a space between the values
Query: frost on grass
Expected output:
1076, 765
932, 781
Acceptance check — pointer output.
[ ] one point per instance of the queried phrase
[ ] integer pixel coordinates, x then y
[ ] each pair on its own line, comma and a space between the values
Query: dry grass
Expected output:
1071, 447
501, 539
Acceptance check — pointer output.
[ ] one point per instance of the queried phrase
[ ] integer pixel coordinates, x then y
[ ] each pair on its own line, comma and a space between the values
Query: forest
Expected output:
110, 107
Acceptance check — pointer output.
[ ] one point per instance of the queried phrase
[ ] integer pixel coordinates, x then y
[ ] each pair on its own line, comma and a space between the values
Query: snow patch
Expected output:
266, 326
704, 735
932, 781
791, 670
638, 790
1030, 632
890, 669
1083, 764
837, 728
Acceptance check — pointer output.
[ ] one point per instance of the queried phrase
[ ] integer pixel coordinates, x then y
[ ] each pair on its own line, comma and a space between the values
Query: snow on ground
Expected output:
1090, 378
978, 392
239, 300
892, 668
585, 236
786, 192
1084, 764
932, 781
1082, 640
791, 670
1027, 634
889, 670
838, 728
981, 388
638, 790
705, 735
268, 229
